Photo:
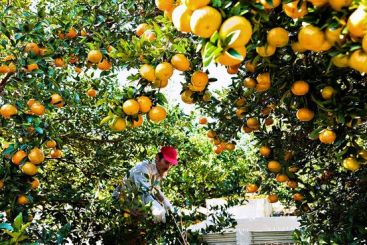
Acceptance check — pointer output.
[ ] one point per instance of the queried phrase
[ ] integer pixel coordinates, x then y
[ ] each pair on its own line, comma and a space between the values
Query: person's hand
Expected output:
158, 212
168, 206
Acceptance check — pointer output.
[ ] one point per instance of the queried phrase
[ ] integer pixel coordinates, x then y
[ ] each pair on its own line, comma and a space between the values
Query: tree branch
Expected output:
4, 82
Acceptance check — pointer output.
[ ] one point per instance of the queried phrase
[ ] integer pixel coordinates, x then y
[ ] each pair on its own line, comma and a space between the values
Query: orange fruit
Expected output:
293, 169
199, 79
164, 71
291, 9
36, 156
160, 83
327, 136
230, 146
269, 121
292, 184
364, 44
22, 200
240, 112
318, 3
181, 17
327, 92
118, 125
78, 70
282, 178
141, 29
9, 57
8, 111
43, 51
1, 184
300, 88
218, 149
274, 166
358, 61
56, 153
311, 37
332, 35
38, 109
180, 62
32, 48
131, 107
205, 21
247, 129
249, 82
288, 155
298, 197
278, 37
29, 169
211, 134
147, 72
157, 114
56, 99
272, 198
233, 69
250, 67
252, 123
4, 69
138, 122
145, 104
240, 102
263, 82
297, 47
357, 22
195, 4
168, 13
233, 24
35, 183
32, 67
18, 157
265, 151
305, 114
164, 4
92, 92
340, 60
351, 164
149, 35
95, 56
12, 68
72, 33
227, 59
203, 120
252, 188
83, 33
273, 4
266, 50
104, 65
51, 144
337, 5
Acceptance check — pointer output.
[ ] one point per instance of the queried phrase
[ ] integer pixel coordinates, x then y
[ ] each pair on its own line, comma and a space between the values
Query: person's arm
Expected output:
166, 203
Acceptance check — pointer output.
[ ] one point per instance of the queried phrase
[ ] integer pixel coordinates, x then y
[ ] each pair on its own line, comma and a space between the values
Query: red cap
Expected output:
169, 154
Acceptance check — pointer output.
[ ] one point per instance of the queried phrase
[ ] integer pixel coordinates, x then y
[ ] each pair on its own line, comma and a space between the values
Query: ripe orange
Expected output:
18, 157
247, 129
32, 48
233, 24
35, 183
364, 44
230, 146
300, 88
233, 69
78, 70
29, 169
332, 35
240, 102
150, 35
311, 37
278, 37
252, 188
56, 153
298, 197
251, 67
269, 121
205, 21
218, 149
22, 200
36, 156
32, 67
181, 17
141, 29
92, 92
1, 184
357, 22
104, 65
131, 107
305, 114
164, 4
293, 169
180, 62
38, 109
351, 164
43, 51
240, 112
94, 56
56, 99
8, 111
72, 33
265, 151
272, 198
292, 184
266, 51
267, 5
252, 123
211, 134
358, 61
327, 92
83, 33
51, 144
203, 120
138, 122
12, 68
249, 82
145, 104
164, 71
318, 3
4, 69
291, 9
274, 166
147, 72
195, 4
282, 178
199, 79
119, 124
160, 83
327, 136
9, 57
297, 47
288, 155
157, 114
263, 82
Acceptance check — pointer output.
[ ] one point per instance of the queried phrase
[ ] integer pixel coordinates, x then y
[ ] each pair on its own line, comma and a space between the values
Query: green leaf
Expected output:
231, 38
161, 99
6, 226
234, 53
315, 134
18, 221
214, 38
105, 120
